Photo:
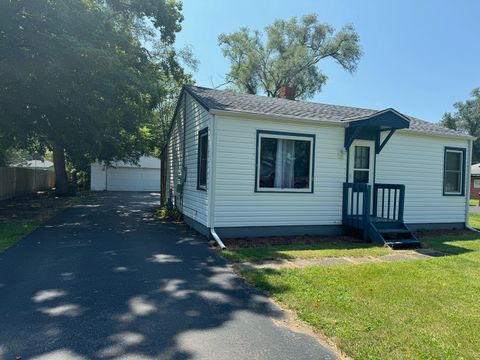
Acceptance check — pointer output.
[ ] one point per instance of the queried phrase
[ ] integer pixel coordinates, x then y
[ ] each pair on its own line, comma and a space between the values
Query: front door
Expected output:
361, 166
361, 162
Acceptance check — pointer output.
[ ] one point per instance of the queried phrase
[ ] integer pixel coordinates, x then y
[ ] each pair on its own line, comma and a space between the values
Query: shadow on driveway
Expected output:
105, 280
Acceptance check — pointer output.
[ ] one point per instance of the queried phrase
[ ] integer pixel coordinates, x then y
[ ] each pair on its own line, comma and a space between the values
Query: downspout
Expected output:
217, 239
211, 187
467, 190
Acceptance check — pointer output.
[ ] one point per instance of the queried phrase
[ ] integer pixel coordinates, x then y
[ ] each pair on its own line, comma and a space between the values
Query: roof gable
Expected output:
387, 119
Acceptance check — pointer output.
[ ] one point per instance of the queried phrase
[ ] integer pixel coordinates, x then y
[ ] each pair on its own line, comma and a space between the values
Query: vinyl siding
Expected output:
236, 202
175, 157
195, 201
417, 161
192, 202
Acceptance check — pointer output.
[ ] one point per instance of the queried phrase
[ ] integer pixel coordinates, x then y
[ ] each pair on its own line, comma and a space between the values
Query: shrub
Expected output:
171, 214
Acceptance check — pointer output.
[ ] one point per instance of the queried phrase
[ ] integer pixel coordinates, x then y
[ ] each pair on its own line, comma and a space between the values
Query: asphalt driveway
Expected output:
104, 280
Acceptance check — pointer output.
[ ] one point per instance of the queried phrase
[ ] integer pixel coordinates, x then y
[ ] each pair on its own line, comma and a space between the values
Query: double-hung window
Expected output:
202, 159
476, 184
284, 162
454, 171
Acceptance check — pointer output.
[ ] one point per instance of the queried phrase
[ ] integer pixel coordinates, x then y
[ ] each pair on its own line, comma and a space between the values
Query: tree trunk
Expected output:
60, 172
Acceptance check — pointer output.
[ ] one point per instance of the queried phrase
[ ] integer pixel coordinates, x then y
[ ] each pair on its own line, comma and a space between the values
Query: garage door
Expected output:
133, 179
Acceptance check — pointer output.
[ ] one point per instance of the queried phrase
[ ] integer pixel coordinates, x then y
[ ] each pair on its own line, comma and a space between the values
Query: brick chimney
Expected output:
287, 92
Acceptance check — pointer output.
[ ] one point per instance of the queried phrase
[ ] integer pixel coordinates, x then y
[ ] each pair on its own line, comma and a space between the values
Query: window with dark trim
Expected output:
454, 171
284, 162
202, 159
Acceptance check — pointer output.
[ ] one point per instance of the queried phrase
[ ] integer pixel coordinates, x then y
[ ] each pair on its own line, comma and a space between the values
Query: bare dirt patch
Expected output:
435, 233
399, 255
293, 323
252, 242
38, 207
287, 240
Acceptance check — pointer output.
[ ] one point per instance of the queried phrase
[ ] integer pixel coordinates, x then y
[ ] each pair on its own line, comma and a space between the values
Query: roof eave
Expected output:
255, 115
450, 136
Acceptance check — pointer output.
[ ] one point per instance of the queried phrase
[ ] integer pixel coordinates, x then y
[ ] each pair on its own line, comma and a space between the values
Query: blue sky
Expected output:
419, 56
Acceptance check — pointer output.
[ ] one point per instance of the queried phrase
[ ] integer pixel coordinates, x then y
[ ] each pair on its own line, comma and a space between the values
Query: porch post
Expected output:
366, 212
401, 203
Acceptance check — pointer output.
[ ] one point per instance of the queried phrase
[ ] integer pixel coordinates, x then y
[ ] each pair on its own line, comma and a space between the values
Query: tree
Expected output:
289, 56
12, 156
156, 131
76, 79
467, 118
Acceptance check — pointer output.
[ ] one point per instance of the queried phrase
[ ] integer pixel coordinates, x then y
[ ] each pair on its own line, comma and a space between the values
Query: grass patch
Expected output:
13, 232
426, 309
19, 217
305, 251
474, 220
474, 202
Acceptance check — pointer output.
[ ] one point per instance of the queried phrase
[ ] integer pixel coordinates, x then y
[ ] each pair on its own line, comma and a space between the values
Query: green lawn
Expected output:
10, 233
475, 220
19, 217
473, 202
424, 309
312, 251
302, 251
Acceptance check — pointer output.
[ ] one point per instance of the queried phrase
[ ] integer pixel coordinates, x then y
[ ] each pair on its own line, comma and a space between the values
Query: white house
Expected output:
121, 176
246, 165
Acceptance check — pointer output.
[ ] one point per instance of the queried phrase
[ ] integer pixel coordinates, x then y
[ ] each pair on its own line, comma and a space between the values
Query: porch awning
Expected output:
372, 126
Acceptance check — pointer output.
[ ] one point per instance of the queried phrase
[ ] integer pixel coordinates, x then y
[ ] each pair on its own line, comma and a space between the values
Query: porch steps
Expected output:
394, 234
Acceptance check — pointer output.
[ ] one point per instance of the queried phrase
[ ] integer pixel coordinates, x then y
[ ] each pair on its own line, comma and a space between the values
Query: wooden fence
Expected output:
15, 181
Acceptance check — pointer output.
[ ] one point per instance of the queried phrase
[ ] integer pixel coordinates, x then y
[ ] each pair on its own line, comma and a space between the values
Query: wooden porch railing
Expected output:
356, 206
358, 210
388, 201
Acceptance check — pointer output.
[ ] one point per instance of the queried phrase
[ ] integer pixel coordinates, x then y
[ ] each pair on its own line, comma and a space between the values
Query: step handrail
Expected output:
392, 211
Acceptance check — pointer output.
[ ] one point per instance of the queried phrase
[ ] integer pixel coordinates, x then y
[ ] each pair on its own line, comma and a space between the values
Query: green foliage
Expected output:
423, 309
170, 214
156, 132
12, 156
467, 119
289, 55
76, 79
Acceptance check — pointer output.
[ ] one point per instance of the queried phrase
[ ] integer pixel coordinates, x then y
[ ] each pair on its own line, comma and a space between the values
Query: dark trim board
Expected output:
195, 225
437, 226
264, 231
199, 138
299, 230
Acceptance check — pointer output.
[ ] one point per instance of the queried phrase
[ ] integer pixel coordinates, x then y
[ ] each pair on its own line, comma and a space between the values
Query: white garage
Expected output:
122, 176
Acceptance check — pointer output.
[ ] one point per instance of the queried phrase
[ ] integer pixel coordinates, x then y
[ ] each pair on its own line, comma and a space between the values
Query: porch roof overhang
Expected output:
372, 126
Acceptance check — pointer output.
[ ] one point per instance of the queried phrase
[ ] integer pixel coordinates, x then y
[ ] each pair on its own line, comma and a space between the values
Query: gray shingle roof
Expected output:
254, 104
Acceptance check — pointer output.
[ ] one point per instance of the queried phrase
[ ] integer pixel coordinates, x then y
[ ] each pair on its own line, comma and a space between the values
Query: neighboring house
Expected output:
121, 176
37, 164
475, 181
246, 165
